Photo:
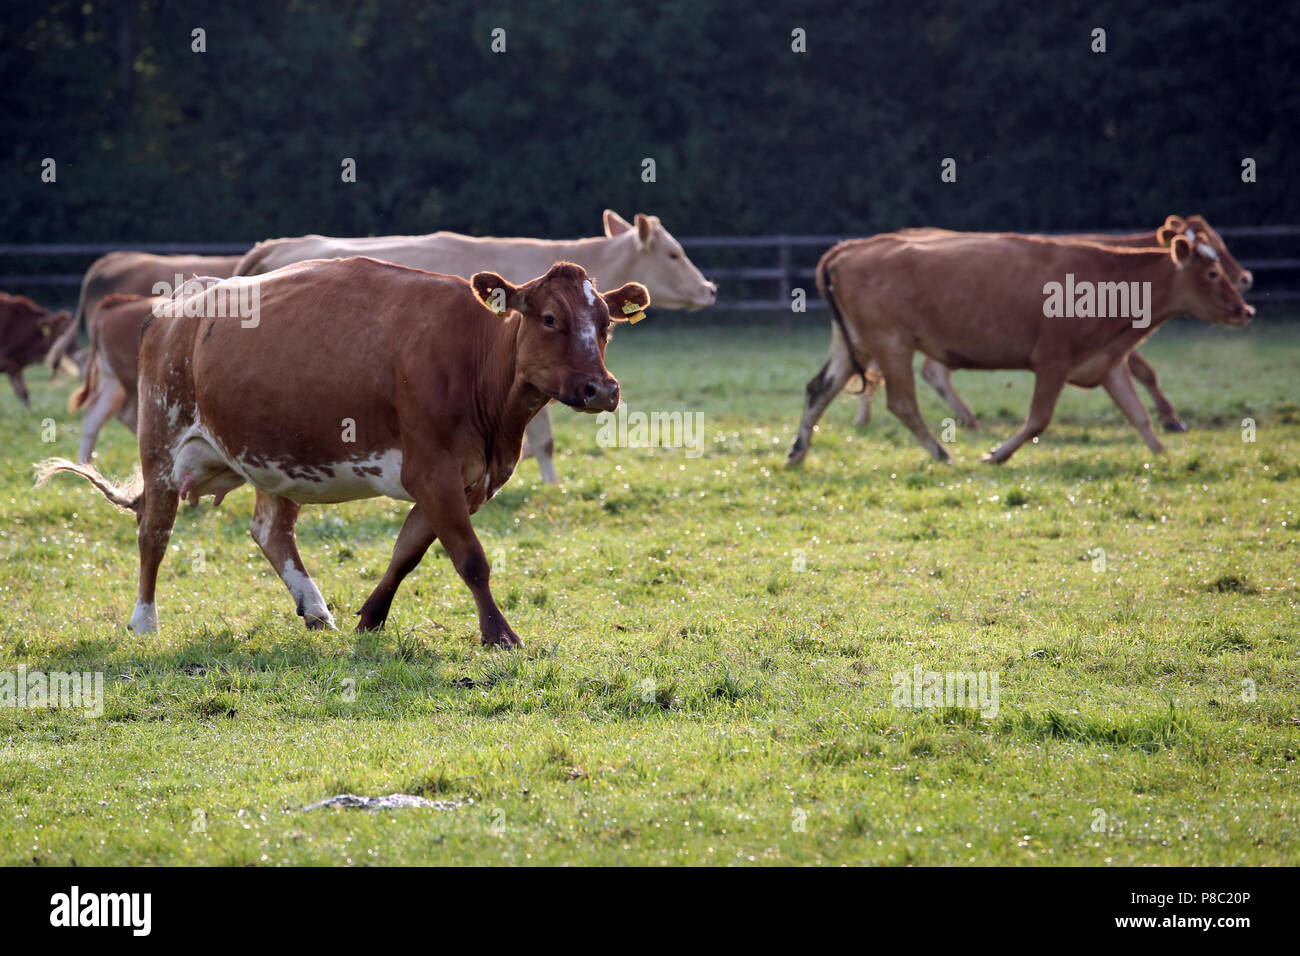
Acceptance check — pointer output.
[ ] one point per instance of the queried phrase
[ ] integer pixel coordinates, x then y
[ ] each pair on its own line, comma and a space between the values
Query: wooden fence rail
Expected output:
787, 263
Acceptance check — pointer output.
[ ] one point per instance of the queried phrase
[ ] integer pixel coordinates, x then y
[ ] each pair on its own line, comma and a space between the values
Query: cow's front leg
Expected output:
1047, 390
20, 387
1119, 386
1141, 370
273, 523
539, 441
441, 496
412, 541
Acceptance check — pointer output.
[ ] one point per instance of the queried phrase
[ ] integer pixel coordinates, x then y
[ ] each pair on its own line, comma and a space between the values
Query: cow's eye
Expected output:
1214, 273
674, 255
549, 321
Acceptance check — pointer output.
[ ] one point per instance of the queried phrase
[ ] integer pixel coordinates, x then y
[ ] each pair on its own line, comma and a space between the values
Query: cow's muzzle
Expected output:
1242, 316
596, 395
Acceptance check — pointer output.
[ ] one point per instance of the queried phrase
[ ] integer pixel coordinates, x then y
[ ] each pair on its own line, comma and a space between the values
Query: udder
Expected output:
199, 469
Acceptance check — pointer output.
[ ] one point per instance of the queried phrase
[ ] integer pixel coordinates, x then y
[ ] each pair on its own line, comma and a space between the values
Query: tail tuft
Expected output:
128, 495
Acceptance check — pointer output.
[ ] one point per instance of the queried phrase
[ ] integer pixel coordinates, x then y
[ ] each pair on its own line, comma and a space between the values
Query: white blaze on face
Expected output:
589, 292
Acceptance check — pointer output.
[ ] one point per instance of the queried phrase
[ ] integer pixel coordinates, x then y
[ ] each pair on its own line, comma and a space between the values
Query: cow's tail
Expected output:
128, 495
58, 353
91, 378
826, 286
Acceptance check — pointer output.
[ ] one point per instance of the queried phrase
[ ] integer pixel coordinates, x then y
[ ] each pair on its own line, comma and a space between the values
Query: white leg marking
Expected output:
144, 619
307, 595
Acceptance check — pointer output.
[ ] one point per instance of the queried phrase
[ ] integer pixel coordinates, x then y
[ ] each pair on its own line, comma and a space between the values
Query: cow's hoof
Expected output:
1177, 425
989, 458
504, 638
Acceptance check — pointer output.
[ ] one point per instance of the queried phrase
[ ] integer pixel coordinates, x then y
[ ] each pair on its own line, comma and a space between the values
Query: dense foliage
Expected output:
156, 142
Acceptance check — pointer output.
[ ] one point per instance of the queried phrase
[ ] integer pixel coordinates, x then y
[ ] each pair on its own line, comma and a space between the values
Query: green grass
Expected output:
687, 694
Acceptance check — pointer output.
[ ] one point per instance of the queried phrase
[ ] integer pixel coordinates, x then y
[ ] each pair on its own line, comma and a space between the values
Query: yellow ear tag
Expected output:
633, 312
636, 317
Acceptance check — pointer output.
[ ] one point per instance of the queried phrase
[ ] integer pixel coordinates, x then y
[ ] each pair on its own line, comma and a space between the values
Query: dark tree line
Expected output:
155, 142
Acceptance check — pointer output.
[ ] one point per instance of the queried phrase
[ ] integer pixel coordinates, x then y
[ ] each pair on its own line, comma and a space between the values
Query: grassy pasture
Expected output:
710, 641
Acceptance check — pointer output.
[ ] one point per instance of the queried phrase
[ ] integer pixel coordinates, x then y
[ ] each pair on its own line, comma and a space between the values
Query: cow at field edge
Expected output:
131, 273
360, 378
109, 386
979, 302
939, 376
643, 251
26, 331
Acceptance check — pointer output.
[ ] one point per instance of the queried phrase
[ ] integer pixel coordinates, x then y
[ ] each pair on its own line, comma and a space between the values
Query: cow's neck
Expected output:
506, 402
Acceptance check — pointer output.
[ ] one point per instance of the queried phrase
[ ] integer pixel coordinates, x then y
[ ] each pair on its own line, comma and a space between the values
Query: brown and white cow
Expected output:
643, 252
26, 331
360, 378
972, 301
939, 376
131, 273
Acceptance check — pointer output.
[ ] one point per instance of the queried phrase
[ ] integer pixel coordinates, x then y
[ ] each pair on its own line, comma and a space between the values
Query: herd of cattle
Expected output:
420, 367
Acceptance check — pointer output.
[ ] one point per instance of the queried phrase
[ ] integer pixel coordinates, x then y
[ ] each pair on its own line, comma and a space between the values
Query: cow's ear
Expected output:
1180, 250
615, 224
1165, 234
495, 292
645, 228
628, 303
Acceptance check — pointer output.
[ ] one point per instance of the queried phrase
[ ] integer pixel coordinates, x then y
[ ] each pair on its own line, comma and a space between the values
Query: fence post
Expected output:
784, 283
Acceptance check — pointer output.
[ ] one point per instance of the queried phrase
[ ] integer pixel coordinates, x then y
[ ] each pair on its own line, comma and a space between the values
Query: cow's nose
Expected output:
600, 395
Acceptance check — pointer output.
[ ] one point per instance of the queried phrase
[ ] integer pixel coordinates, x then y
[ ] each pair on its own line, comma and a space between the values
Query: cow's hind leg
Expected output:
157, 515
863, 416
1142, 371
412, 542
819, 393
1119, 385
900, 397
539, 442
1047, 390
940, 378
107, 400
273, 521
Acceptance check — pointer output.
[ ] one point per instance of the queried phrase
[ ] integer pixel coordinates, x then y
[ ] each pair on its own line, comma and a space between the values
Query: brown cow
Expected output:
26, 331
132, 273
359, 378
939, 376
992, 302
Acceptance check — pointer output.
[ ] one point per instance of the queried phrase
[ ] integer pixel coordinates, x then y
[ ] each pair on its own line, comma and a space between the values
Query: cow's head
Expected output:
565, 325
648, 253
1243, 279
1202, 285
